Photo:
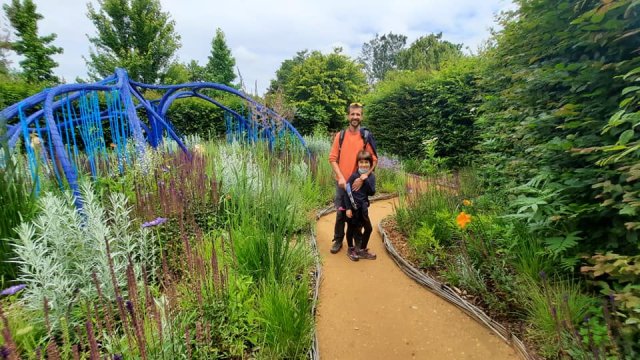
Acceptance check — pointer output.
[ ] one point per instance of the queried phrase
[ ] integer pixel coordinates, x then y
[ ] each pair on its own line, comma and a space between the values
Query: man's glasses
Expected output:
356, 104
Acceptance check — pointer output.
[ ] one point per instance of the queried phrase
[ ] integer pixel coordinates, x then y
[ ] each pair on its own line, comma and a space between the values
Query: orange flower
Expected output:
463, 219
466, 202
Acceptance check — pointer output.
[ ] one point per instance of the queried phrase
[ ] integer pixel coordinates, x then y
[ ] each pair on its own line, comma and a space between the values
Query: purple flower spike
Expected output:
12, 290
117, 357
543, 275
156, 222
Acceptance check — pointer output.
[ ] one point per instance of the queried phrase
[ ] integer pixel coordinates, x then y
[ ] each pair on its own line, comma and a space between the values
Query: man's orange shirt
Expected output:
351, 145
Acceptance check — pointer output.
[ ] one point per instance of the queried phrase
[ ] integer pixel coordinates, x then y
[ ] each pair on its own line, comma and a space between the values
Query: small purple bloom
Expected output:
4, 352
543, 275
117, 357
12, 290
129, 306
156, 222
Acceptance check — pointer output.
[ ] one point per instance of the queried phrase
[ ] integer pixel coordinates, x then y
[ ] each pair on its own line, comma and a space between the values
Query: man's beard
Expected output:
357, 123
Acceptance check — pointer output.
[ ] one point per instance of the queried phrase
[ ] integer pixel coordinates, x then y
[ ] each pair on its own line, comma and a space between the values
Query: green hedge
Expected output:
412, 107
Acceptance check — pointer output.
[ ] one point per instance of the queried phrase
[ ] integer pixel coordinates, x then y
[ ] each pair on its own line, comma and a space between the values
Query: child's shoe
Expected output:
352, 254
365, 254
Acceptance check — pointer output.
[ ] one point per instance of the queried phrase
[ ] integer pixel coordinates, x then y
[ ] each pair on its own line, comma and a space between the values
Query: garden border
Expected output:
448, 294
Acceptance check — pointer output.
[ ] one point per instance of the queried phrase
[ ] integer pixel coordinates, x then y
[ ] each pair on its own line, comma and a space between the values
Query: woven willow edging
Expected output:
314, 352
451, 296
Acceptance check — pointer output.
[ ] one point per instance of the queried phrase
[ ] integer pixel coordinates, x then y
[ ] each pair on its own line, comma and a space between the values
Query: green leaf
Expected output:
631, 73
628, 210
625, 137
629, 89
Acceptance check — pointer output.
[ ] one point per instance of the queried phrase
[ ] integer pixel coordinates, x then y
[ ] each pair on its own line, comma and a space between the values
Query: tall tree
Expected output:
321, 87
380, 55
133, 34
221, 63
428, 53
37, 64
196, 71
4, 47
284, 72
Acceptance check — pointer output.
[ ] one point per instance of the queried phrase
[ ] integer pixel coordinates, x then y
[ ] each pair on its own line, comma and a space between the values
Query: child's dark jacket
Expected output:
360, 197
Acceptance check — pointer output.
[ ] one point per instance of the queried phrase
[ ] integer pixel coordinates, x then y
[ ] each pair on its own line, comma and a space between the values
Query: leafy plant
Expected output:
426, 246
19, 204
59, 250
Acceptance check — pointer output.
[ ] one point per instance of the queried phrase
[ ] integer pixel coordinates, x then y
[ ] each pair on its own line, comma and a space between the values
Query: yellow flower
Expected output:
466, 202
463, 219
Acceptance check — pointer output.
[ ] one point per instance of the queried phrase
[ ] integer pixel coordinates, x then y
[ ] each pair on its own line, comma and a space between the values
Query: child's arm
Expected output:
371, 182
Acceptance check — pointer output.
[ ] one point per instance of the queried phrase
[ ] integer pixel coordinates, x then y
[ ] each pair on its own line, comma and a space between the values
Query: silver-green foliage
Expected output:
58, 251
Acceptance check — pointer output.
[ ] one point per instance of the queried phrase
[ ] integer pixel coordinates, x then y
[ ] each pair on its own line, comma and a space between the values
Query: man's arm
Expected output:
333, 160
336, 170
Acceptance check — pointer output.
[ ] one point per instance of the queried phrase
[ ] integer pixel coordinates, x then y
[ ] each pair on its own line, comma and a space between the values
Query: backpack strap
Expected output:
340, 140
368, 140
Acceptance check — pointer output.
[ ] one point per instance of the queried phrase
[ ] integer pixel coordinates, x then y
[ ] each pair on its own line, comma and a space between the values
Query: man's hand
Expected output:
342, 183
349, 213
357, 184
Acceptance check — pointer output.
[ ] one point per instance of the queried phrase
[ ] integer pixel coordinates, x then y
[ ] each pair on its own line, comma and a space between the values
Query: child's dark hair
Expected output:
365, 155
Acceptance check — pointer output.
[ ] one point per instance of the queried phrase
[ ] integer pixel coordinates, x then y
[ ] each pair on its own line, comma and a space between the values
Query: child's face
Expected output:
364, 164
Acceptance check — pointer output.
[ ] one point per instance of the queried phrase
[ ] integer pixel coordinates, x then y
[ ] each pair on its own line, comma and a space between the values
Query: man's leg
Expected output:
338, 231
341, 219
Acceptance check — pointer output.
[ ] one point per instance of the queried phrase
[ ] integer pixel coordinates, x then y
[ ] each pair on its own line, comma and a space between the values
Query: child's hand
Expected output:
349, 213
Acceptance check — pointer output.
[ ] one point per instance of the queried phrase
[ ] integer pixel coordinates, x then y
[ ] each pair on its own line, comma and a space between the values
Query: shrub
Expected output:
62, 247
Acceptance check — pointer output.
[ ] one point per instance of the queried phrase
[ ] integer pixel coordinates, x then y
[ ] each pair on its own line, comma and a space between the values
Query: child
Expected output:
357, 205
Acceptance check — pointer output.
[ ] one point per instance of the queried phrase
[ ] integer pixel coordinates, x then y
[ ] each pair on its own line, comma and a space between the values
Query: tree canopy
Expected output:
428, 52
379, 55
37, 51
320, 86
133, 34
220, 66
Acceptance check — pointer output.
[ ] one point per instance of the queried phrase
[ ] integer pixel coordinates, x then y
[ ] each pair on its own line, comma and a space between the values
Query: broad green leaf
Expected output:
629, 89
625, 137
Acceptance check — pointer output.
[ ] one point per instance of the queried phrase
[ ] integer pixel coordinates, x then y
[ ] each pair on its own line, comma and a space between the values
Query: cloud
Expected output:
262, 34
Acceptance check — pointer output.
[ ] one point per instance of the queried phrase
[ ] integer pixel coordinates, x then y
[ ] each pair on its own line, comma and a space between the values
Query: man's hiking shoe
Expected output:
365, 254
352, 254
337, 245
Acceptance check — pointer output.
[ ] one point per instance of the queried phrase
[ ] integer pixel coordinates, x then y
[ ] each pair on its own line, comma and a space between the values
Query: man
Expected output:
343, 161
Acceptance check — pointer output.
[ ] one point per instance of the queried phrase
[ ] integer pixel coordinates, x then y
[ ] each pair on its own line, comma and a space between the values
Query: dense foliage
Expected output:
37, 51
220, 67
319, 87
409, 110
132, 34
379, 55
557, 79
428, 52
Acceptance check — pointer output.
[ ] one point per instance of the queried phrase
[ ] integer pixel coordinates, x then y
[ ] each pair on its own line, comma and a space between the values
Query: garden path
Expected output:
372, 310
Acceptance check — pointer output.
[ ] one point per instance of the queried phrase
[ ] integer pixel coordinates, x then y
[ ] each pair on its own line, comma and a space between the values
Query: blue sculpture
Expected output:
52, 121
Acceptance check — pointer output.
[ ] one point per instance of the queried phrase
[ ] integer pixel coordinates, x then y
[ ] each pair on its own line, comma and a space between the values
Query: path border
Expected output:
446, 293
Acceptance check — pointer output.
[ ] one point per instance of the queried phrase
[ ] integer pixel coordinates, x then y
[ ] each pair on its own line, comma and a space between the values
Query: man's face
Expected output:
355, 116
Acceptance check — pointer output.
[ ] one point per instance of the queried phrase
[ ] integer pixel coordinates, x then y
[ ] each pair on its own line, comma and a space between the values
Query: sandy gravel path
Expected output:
372, 310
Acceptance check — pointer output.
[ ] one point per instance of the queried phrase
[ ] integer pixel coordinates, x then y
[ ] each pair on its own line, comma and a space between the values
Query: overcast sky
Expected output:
262, 34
